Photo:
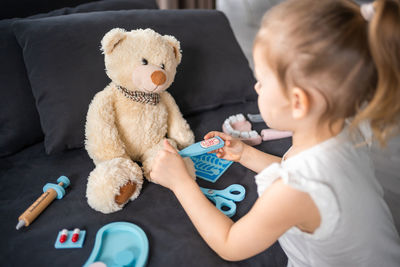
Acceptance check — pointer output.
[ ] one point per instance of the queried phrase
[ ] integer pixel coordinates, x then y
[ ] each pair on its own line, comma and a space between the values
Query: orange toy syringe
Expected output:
51, 191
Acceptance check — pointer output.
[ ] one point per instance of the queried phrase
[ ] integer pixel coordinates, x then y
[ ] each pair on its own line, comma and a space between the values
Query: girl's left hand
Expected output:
169, 168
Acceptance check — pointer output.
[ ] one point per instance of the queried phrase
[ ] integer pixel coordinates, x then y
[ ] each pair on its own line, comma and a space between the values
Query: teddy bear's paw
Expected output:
125, 192
112, 183
190, 167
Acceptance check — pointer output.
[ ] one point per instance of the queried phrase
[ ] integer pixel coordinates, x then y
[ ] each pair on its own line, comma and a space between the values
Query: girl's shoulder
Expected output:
321, 192
348, 152
323, 172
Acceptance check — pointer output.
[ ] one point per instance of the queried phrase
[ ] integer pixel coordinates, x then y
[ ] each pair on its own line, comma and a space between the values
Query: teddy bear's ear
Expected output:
112, 39
175, 45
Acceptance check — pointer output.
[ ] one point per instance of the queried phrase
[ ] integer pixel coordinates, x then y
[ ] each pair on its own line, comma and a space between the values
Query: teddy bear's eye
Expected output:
144, 61
163, 66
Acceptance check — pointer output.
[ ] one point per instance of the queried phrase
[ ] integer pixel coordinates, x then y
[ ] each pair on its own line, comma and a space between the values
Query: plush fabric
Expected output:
213, 71
173, 240
119, 129
19, 118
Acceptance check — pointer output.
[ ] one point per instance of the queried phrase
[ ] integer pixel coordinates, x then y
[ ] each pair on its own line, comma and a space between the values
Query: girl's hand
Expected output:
233, 148
169, 168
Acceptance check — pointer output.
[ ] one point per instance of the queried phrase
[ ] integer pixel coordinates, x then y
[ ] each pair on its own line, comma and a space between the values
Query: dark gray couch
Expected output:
50, 68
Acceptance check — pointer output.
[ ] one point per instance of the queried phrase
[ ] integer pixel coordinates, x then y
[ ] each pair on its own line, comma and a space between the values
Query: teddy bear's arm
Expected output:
178, 128
102, 138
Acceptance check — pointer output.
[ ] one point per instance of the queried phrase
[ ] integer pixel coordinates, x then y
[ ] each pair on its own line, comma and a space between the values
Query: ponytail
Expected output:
383, 109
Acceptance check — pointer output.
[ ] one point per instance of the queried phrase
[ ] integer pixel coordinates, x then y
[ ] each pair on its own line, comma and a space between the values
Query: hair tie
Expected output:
367, 11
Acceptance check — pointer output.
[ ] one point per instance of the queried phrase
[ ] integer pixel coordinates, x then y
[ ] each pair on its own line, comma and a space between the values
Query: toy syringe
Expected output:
202, 147
50, 192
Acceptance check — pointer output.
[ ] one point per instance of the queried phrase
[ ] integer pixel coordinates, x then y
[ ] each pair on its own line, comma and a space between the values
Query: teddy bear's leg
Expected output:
112, 183
149, 155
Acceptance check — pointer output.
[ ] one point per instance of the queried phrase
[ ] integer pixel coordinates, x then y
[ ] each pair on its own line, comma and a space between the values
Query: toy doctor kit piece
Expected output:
202, 147
225, 199
119, 244
238, 127
208, 166
51, 191
70, 239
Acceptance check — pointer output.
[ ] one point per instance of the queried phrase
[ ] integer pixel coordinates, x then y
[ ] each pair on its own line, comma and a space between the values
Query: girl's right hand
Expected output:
233, 148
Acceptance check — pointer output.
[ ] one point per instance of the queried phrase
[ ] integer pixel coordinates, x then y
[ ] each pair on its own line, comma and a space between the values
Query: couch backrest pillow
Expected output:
24, 8
66, 68
102, 6
19, 119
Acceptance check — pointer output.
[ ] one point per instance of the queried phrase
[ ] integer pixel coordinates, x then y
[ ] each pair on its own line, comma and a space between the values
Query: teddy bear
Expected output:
128, 120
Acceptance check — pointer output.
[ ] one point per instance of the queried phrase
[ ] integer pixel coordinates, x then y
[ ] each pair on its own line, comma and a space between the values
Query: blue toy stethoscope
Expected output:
225, 199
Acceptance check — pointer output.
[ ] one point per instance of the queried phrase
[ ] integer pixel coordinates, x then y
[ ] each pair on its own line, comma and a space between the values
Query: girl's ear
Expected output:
300, 102
112, 39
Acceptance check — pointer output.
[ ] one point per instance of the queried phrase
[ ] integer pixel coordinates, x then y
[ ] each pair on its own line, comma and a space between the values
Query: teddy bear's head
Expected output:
141, 60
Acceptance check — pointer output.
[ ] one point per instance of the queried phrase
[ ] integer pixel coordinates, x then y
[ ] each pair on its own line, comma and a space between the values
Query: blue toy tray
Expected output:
68, 243
120, 244
209, 167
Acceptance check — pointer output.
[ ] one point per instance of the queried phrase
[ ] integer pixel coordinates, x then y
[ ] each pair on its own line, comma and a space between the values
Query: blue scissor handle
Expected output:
228, 192
220, 203
225, 198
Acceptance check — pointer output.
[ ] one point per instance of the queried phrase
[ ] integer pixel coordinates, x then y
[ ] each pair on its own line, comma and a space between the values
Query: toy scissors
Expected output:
225, 199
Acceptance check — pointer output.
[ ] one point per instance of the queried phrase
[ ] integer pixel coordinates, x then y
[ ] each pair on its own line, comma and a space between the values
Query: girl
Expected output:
324, 69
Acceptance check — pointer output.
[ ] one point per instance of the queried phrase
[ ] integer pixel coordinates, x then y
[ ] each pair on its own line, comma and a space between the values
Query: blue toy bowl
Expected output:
120, 244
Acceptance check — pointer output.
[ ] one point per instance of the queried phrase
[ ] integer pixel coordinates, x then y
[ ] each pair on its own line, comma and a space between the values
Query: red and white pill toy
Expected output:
75, 235
64, 235
70, 239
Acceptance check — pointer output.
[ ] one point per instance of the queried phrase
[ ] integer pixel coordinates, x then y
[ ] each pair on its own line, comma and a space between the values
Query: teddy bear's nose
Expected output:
158, 77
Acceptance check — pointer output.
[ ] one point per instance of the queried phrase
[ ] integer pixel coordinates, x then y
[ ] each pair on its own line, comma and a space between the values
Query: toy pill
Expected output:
64, 235
75, 235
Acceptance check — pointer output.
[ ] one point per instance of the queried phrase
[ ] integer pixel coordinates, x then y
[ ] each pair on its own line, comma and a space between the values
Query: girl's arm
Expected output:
256, 160
278, 209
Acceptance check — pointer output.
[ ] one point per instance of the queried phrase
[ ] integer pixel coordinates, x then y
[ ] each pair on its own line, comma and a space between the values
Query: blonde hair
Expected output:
327, 45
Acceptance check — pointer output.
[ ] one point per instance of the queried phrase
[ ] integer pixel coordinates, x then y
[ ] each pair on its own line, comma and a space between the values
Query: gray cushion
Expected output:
19, 119
66, 67
24, 8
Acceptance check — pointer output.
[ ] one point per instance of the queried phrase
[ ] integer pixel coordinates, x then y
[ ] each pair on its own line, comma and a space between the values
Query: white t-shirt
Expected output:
357, 227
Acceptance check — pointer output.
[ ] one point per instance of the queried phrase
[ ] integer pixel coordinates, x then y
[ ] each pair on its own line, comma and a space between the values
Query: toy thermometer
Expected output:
202, 147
